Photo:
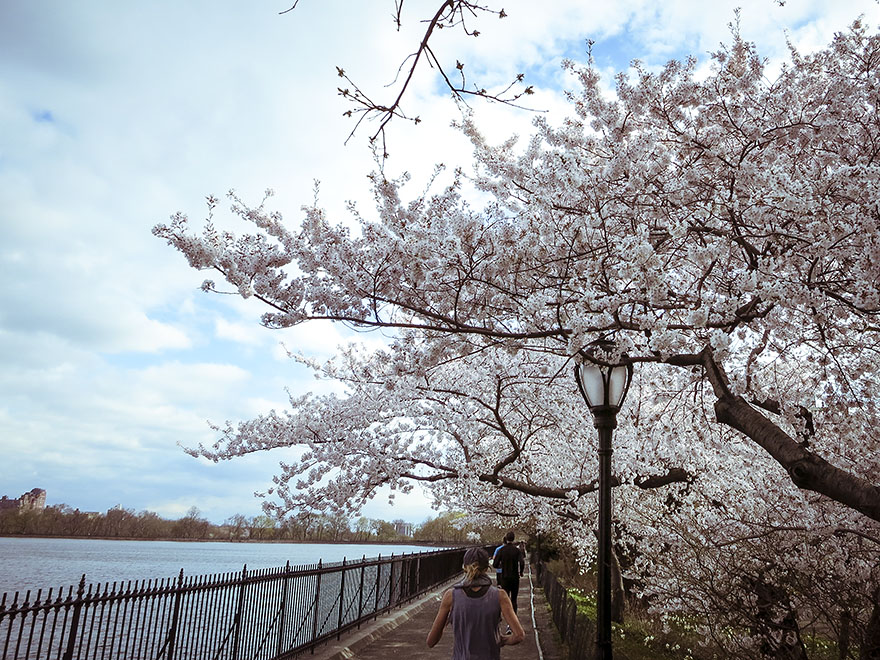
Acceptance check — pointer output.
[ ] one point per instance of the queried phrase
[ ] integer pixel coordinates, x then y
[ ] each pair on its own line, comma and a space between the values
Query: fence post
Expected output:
238, 613
341, 599
172, 632
378, 575
391, 601
283, 608
361, 592
74, 624
418, 580
317, 602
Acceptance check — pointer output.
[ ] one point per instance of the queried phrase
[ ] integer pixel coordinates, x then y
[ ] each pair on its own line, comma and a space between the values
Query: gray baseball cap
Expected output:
476, 556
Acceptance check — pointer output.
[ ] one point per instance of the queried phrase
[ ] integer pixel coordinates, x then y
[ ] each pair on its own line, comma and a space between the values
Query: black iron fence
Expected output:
267, 614
575, 628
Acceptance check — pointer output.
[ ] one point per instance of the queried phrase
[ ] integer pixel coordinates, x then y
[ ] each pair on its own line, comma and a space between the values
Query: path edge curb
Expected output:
345, 649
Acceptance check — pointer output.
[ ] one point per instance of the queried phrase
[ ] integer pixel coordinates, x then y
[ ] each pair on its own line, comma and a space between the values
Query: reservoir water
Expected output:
34, 563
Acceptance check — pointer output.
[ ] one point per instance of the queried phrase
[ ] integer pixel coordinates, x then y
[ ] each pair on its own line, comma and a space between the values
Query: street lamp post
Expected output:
604, 385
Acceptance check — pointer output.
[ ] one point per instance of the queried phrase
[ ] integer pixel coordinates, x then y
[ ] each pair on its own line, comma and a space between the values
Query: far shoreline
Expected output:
427, 544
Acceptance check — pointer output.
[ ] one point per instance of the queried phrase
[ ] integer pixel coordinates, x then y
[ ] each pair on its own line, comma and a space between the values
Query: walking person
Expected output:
474, 608
497, 570
511, 560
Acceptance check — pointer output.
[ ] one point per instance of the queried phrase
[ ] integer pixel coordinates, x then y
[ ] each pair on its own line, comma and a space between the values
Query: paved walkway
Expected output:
401, 633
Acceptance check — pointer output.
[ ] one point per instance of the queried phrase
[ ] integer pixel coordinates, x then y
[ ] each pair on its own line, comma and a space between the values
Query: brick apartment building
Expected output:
33, 500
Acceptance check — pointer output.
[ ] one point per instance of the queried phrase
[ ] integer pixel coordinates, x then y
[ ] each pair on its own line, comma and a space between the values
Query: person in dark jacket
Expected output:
474, 607
512, 563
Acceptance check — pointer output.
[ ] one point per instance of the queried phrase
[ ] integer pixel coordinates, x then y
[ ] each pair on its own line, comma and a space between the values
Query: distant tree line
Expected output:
119, 522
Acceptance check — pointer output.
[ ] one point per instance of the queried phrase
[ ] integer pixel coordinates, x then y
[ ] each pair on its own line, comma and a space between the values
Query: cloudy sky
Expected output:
114, 115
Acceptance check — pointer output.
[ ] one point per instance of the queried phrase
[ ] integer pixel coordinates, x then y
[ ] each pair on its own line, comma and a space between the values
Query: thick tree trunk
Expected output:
806, 469
871, 639
843, 639
776, 623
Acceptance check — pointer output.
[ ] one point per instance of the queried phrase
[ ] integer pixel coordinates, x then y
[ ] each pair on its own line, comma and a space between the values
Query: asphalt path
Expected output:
401, 634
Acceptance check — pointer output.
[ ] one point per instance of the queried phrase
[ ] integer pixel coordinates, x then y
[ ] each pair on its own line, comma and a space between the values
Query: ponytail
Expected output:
472, 571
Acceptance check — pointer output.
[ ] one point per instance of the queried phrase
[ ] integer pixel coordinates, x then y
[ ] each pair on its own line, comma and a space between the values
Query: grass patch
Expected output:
645, 637
819, 648
641, 637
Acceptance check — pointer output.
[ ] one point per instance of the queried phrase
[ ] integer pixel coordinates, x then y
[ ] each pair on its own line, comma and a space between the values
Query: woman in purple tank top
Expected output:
474, 608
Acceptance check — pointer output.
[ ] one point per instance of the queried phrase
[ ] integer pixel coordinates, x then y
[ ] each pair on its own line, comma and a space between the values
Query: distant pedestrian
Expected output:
497, 570
474, 608
511, 560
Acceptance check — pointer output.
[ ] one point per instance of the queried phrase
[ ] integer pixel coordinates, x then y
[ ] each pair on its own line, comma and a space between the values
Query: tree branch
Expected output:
806, 469
675, 475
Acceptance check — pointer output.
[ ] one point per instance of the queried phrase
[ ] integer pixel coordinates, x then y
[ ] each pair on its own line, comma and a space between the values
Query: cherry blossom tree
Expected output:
726, 229
723, 231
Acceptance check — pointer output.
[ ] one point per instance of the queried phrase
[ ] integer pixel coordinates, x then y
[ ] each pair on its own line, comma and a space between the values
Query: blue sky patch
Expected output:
43, 117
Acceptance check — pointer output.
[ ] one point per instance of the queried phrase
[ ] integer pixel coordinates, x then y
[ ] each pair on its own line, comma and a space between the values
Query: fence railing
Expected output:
267, 614
576, 629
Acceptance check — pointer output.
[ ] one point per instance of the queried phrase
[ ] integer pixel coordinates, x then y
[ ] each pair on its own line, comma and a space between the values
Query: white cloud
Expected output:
187, 382
414, 506
244, 333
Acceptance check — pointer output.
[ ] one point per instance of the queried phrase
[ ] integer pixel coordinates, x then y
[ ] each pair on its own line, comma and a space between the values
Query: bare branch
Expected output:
295, 3
449, 14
